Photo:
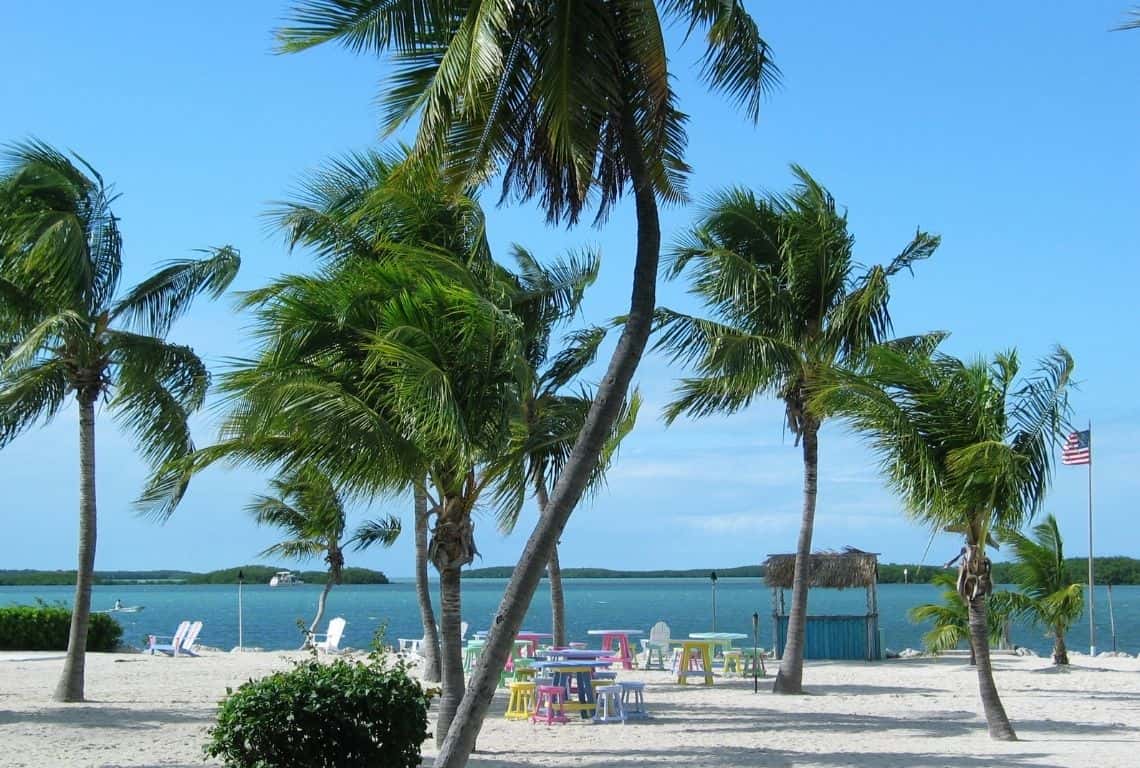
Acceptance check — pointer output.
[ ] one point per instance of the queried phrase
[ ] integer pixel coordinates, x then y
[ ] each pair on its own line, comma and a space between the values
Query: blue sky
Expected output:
1010, 129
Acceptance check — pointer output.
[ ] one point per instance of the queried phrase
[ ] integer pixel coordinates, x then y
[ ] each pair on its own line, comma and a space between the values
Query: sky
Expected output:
1008, 128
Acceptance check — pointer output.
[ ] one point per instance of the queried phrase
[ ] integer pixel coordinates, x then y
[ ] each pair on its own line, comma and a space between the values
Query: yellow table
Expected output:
688, 647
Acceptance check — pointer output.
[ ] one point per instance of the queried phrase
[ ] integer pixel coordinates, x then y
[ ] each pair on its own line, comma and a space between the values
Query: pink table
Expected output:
533, 638
621, 637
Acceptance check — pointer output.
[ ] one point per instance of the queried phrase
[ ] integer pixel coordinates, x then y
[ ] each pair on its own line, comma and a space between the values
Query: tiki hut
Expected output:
830, 637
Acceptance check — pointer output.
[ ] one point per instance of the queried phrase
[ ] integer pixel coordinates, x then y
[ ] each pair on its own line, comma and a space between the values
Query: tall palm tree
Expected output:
1134, 23
305, 505
550, 418
1047, 596
967, 446
378, 372
65, 328
569, 104
950, 619
778, 275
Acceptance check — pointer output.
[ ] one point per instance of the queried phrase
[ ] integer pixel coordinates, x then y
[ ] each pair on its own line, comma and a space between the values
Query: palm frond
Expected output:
383, 531
155, 303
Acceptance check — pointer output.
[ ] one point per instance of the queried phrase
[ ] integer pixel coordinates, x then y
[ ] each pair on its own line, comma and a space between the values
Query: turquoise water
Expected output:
270, 615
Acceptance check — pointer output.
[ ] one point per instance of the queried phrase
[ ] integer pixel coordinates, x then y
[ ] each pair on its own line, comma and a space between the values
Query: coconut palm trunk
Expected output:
320, 609
452, 547
1060, 651
451, 651
430, 646
554, 574
790, 677
572, 481
70, 687
996, 718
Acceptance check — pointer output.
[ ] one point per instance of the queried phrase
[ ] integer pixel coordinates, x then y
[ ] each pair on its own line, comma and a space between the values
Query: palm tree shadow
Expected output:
106, 717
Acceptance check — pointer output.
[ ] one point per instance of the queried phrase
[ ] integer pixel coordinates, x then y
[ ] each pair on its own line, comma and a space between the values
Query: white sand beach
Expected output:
914, 713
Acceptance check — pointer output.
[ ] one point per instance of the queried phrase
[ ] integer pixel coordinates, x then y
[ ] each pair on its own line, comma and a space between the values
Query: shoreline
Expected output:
154, 711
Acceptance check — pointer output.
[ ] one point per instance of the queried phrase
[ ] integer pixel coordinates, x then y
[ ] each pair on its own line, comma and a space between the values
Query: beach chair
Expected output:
657, 644
329, 641
175, 640
181, 642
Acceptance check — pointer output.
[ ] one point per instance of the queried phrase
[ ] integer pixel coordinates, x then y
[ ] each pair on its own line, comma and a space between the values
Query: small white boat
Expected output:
285, 579
122, 609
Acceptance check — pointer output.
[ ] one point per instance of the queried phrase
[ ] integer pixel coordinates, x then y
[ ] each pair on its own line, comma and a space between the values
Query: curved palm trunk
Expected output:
996, 718
572, 481
452, 547
554, 573
430, 645
790, 677
320, 611
70, 686
1060, 651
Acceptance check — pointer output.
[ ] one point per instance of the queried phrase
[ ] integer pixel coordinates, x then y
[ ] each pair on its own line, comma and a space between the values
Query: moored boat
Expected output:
285, 579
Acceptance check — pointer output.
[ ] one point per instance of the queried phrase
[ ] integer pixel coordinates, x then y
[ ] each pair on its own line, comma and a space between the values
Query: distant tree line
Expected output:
254, 574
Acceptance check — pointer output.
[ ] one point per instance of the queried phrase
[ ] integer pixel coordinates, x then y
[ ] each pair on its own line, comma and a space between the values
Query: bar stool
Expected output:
633, 699
546, 698
609, 707
733, 662
521, 701
472, 653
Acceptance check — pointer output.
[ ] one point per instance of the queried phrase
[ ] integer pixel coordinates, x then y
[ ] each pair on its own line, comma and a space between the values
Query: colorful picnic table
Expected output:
577, 654
621, 637
532, 639
582, 673
689, 648
723, 640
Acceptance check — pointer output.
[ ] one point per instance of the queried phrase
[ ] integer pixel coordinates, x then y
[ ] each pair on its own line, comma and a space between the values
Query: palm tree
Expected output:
1134, 23
430, 646
65, 329
305, 505
967, 446
566, 104
550, 418
778, 275
951, 618
1048, 596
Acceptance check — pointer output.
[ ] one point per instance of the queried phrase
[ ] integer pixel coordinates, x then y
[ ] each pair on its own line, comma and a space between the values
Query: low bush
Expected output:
319, 715
45, 628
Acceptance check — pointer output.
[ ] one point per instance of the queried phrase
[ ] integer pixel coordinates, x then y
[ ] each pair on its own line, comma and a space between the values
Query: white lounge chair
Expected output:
331, 639
181, 642
656, 644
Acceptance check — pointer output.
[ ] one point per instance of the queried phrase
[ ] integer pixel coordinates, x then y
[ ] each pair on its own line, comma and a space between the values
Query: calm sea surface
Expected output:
270, 615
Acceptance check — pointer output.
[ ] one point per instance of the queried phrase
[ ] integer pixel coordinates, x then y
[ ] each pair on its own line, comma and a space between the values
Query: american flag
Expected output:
1077, 450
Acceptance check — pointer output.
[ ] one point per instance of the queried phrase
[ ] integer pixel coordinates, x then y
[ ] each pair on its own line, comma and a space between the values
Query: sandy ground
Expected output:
914, 713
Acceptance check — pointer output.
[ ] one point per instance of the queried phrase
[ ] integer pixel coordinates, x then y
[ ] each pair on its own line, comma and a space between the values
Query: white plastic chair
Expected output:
331, 641
656, 644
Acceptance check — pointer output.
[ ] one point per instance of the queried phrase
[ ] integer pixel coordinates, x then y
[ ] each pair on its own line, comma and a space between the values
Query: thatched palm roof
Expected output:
849, 568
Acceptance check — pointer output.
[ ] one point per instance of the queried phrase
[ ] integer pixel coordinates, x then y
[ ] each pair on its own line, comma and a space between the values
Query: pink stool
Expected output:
547, 696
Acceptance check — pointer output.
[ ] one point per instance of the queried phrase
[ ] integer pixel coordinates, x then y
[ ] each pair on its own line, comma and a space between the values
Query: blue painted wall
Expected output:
835, 637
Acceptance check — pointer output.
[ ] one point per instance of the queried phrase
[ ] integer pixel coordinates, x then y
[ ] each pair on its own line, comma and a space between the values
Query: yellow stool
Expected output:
521, 701
733, 663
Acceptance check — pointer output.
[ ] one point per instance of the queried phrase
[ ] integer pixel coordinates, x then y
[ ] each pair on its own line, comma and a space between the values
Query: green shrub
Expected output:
317, 715
45, 628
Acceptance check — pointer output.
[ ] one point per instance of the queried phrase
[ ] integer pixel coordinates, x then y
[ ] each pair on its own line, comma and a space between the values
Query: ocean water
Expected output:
270, 615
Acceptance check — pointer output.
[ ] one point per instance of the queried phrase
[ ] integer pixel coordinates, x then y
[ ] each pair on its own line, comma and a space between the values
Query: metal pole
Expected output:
1092, 583
241, 578
755, 650
713, 577
1111, 617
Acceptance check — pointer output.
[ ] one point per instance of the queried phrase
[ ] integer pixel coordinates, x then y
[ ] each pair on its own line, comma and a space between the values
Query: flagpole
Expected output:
1092, 583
